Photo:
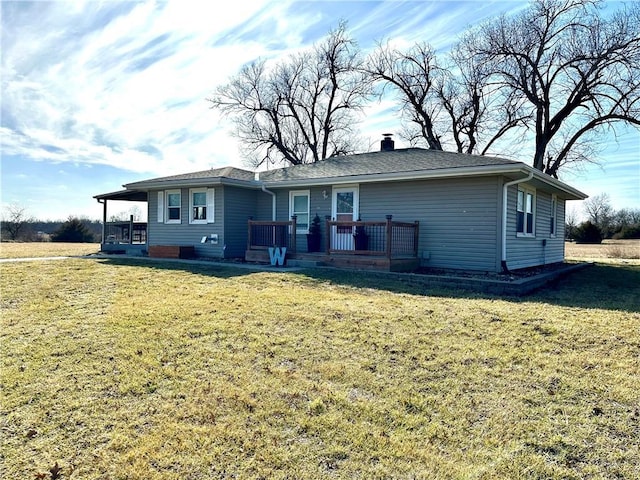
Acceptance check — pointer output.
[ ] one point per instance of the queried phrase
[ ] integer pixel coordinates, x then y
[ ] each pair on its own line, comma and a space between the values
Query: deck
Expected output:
373, 245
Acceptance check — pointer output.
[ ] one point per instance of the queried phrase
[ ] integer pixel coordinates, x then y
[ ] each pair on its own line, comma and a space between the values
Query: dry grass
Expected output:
157, 371
609, 251
46, 249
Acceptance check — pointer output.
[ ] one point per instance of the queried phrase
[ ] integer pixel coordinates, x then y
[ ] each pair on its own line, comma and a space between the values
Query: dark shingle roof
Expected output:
394, 161
373, 166
404, 160
224, 172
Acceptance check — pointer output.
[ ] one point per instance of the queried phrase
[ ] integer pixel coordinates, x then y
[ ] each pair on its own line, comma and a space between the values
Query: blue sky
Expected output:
98, 94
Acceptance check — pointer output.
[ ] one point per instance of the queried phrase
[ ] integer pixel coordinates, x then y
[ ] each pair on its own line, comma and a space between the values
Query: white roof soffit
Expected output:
558, 185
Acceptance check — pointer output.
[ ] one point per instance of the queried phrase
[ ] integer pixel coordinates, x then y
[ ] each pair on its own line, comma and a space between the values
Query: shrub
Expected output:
587, 232
628, 232
74, 231
314, 236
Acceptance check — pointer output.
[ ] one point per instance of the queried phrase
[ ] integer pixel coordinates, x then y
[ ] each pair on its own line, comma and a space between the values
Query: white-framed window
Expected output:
553, 216
201, 205
174, 206
525, 212
299, 206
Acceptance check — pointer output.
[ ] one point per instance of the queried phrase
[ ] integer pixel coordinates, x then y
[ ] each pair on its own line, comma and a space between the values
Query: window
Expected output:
174, 205
201, 205
299, 206
525, 212
198, 206
552, 220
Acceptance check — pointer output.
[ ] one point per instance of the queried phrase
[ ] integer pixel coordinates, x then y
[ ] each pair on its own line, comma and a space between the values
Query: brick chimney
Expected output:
386, 145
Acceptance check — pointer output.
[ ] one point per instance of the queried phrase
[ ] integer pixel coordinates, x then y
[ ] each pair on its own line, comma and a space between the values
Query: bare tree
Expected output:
625, 218
416, 77
16, 220
577, 72
599, 211
125, 215
301, 110
480, 112
449, 100
571, 223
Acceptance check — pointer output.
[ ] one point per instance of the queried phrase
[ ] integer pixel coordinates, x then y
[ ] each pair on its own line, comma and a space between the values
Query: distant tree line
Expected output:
603, 222
17, 225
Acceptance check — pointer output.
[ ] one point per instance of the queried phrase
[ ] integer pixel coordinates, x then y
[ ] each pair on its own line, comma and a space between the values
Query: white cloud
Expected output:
124, 90
125, 84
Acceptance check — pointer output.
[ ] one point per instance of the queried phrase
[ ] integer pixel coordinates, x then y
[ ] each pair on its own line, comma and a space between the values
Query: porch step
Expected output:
262, 256
373, 263
358, 262
294, 262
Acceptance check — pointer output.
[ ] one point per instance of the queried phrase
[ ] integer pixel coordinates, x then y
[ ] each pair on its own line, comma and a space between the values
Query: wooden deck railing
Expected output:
265, 234
382, 238
378, 238
134, 233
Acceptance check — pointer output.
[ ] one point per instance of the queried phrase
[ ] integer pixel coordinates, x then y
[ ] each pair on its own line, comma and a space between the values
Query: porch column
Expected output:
389, 236
104, 220
249, 233
327, 219
294, 233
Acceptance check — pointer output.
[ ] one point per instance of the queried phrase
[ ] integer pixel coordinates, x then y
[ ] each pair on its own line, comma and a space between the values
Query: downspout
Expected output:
273, 202
256, 177
505, 189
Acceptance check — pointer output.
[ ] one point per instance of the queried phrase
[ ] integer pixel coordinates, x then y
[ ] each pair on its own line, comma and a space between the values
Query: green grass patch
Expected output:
46, 249
123, 370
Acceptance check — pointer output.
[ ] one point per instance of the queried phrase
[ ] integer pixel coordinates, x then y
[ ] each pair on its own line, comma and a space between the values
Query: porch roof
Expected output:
126, 195
230, 175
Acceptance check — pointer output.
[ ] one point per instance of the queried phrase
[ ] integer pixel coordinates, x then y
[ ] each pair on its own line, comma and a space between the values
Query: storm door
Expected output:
344, 208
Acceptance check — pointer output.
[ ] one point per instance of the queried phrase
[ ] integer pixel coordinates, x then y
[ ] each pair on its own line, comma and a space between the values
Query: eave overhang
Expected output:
511, 171
124, 195
191, 183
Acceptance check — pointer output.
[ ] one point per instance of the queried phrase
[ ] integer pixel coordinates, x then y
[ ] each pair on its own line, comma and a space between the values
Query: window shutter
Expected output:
160, 207
210, 205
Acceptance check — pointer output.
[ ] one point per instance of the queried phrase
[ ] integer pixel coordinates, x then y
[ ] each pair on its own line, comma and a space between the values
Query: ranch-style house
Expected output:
393, 209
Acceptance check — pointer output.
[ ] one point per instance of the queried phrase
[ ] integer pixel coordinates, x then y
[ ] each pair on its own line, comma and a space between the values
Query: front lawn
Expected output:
121, 370
46, 249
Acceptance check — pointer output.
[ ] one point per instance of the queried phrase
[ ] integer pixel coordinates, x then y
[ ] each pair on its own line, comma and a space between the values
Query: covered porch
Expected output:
123, 236
377, 245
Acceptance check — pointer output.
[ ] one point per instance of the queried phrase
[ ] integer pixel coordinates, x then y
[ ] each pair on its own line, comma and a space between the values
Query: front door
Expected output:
344, 208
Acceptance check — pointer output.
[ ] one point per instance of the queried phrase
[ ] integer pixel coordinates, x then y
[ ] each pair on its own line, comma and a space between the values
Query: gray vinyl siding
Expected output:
542, 248
239, 206
264, 206
458, 218
184, 233
317, 204
232, 208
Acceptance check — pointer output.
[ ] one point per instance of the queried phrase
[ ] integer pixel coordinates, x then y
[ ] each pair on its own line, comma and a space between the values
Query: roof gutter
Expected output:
147, 185
505, 188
